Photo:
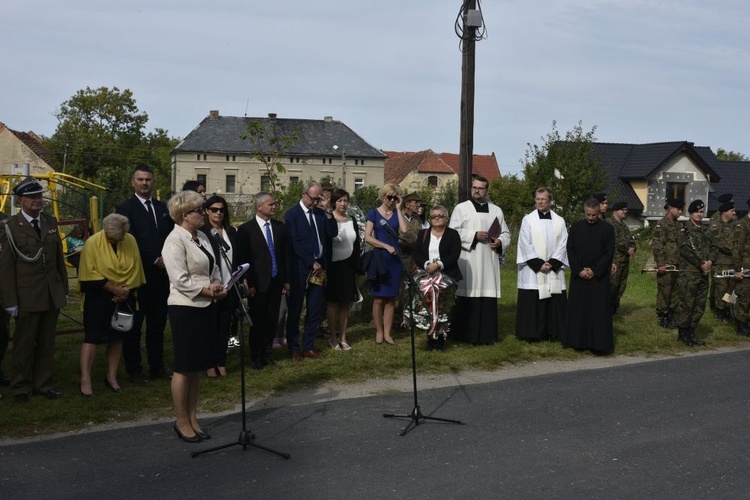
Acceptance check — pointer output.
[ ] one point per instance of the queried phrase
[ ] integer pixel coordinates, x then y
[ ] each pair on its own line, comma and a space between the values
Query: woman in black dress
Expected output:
110, 269
217, 216
342, 288
194, 287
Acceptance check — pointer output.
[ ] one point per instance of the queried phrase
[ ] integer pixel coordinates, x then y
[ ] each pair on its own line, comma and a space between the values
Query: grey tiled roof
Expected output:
624, 162
222, 134
735, 179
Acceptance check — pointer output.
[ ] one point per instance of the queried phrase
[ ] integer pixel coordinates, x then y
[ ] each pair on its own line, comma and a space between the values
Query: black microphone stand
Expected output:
416, 413
246, 437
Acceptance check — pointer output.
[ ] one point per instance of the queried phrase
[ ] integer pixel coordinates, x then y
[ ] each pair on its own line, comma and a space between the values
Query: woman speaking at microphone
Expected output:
194, 287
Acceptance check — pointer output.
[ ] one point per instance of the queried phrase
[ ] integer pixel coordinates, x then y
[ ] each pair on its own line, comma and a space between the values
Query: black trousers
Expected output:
264, 311
152, 307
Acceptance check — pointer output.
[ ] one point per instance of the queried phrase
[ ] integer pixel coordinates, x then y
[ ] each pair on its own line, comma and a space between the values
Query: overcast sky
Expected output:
639, 70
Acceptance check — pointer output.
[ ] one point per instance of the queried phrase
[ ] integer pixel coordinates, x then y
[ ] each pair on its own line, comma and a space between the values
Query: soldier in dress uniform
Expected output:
34, 288
722, 233
740, 261
624, 249
696, 261
666, 253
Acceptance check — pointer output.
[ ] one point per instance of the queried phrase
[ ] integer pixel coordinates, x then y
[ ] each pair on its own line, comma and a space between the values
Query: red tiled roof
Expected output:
399, 164
484, 165
32, 141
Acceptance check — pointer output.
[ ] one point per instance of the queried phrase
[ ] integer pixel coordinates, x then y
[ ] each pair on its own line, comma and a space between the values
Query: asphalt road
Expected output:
676, 428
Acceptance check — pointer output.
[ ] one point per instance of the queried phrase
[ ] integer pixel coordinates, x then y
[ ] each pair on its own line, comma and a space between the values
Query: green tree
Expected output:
100, 137
268, 145
567, 166
366, 198
514, 196
724, 155
447, 195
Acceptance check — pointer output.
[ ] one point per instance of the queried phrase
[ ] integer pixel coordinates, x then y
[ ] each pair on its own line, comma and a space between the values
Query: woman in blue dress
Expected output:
385, 291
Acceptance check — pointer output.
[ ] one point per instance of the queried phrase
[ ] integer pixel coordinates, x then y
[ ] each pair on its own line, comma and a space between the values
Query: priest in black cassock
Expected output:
591, 248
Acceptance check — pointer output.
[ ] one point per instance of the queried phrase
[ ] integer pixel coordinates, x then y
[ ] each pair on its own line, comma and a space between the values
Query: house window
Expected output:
227, 157
359, 183
204, 157
356, 162
291, 160
432, 181
265, 183
201, 178
231, 181
198, 157
234, 157
361, 162
676, 190
294, 179
330, 160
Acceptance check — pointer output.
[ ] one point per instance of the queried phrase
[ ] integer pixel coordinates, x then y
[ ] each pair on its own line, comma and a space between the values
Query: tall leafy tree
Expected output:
567, 166
100, 136
514, 196
268, 145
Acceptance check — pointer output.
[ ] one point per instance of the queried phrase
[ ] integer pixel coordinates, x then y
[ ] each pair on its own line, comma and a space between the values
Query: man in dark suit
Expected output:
262, 243
310, 230
149, 224
34, 287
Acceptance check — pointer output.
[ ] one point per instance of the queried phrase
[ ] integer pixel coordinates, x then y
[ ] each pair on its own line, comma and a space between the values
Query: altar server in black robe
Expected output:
591, 248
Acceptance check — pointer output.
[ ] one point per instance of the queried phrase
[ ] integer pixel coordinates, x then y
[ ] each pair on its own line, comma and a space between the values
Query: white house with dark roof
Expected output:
644, 175
22, 147
215, 154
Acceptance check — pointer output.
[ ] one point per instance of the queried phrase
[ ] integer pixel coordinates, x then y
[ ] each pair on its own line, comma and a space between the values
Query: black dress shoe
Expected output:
22, 398
138, 379
53, 394
191, 439
4, 379
160, 374
269, 361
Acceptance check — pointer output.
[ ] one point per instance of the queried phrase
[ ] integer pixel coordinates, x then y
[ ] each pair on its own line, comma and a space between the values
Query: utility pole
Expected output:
466, 27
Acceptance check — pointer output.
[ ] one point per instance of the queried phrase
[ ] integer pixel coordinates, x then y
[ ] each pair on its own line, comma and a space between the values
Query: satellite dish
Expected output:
335, 147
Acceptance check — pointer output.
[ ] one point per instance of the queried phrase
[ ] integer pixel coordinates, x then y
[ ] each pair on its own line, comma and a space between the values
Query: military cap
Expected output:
413, 197
726, 198
619, 206
600, 197
695, 206
728, 205
675, 202
27, 187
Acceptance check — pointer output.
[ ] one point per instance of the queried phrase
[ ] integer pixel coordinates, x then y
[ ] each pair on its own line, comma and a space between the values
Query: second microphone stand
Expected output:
246, 437
416, 413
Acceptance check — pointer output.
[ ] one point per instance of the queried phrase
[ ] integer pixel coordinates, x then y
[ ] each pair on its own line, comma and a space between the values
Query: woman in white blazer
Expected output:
194, 287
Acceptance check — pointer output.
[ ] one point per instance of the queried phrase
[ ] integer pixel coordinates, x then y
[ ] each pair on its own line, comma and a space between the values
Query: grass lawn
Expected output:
636, 333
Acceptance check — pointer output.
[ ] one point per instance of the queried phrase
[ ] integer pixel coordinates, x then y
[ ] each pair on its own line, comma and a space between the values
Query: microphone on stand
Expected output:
217, 237
388, 228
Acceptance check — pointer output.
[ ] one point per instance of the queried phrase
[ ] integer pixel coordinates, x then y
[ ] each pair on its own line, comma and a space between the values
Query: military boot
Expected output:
742, 329
662, 319
693, 339
671, 323
683, 335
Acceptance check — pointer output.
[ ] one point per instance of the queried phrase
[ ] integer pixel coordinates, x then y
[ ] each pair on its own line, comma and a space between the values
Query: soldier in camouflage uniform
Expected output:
722, 234
624, 249
695, 265
741, 260
664, 243
724, 198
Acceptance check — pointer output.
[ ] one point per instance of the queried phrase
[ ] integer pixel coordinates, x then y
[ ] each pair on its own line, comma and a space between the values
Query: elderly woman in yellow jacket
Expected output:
109, 271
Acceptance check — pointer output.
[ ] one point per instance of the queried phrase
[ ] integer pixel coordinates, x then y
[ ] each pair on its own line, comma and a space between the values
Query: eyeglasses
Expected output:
392, 197
314, 200
217, 210
478, 188
437, 216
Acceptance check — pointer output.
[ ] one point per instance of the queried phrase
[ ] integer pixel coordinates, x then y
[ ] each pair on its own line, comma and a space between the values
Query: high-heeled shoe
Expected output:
335, 347
117, 389
187, 439
389, 341
86, 396
202, 435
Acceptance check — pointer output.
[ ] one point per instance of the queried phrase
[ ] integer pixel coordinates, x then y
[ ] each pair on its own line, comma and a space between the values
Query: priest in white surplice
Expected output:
542, 257
475, 316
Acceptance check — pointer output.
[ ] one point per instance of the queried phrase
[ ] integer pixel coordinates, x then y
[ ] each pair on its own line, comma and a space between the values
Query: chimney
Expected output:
327, 118
272, 117
213, 114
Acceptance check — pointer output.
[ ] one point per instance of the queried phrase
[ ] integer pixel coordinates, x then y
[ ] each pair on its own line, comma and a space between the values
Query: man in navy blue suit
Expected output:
150, 224
310, 230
